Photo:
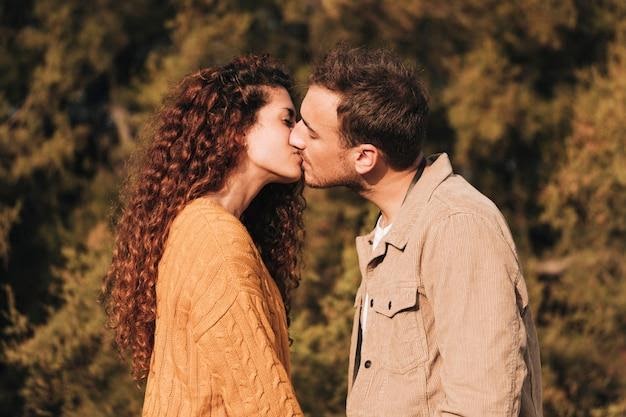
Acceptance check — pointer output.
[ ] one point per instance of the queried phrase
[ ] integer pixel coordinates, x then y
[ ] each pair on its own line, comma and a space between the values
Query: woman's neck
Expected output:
238, 192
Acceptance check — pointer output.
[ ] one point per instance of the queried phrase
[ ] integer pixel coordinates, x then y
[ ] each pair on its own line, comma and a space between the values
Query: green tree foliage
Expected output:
323, 324
529, 98
583, 292
70, 365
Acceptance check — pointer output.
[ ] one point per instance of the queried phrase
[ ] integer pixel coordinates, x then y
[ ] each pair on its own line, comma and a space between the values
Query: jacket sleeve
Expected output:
471, 277
240, 349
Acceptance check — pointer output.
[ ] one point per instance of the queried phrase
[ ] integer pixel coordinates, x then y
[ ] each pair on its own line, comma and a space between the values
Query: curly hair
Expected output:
196, 141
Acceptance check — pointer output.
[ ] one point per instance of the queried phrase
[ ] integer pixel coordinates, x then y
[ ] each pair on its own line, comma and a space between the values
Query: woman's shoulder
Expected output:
208, 243
202, 213
211, 212
212, 226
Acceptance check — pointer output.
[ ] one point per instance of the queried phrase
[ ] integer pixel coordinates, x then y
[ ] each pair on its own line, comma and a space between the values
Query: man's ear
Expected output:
366, 158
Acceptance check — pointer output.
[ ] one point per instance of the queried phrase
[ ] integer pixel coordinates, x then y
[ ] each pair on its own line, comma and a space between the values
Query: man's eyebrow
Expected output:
308, 126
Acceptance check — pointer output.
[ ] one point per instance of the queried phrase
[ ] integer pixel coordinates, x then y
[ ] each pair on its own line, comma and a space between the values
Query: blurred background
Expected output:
528, 97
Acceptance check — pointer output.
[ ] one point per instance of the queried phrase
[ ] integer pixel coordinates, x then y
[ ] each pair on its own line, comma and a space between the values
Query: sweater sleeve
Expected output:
240, 348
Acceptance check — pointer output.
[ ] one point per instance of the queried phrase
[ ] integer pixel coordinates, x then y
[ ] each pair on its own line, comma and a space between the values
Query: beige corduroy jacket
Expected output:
449, 330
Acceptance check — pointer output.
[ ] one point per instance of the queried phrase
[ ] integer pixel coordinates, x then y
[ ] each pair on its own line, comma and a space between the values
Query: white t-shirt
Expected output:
379, 233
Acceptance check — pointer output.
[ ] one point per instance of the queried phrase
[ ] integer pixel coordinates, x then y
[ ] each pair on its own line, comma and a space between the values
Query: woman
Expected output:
207, 248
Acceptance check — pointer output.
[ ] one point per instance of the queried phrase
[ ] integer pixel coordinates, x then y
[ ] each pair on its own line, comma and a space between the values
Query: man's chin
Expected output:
321, 183
316, 185
312, 182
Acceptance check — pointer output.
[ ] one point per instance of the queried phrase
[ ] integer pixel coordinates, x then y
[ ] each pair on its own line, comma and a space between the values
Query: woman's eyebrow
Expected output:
292, 113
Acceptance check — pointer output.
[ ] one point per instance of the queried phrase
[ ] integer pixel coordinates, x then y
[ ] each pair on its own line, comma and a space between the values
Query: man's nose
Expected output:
295, 137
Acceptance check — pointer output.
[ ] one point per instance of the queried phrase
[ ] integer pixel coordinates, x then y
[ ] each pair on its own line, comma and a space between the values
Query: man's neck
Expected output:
388, 194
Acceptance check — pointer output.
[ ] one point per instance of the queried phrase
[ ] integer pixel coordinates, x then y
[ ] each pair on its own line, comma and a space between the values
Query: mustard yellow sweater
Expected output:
221, 345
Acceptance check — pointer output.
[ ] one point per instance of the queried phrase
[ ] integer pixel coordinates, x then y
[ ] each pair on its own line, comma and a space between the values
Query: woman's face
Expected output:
267, 140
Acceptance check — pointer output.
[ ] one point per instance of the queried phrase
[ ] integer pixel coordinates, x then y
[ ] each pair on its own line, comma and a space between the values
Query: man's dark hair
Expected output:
382, 101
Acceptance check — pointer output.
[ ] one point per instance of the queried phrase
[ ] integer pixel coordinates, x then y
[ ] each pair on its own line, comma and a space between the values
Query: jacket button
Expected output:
372, 302
367, 363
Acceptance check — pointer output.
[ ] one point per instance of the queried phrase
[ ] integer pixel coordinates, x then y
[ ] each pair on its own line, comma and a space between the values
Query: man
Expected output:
442, 325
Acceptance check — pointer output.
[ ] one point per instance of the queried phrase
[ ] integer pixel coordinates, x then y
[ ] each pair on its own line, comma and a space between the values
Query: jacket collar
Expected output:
437, 169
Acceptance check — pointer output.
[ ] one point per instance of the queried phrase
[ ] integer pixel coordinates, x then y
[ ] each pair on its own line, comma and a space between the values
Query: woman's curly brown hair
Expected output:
197, 140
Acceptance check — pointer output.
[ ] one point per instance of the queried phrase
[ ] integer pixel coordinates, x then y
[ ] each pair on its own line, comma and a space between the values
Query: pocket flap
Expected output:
393, 300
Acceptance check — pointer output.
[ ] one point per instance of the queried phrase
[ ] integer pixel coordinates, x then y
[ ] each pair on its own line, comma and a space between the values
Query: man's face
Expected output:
326, 161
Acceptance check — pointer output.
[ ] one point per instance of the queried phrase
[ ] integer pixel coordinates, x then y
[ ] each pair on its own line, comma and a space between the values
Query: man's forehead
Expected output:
320, 103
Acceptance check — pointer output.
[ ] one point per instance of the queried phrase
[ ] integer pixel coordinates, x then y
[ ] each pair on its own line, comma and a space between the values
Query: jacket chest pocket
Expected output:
400, 329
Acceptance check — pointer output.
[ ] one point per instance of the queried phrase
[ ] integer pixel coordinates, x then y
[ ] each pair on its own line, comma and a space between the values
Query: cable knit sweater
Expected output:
221, 345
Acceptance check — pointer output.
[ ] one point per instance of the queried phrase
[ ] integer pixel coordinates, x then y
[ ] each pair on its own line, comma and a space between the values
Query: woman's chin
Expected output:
289, 177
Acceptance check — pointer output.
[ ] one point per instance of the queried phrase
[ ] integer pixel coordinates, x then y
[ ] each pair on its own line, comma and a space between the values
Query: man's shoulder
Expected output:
456, 195
456, 198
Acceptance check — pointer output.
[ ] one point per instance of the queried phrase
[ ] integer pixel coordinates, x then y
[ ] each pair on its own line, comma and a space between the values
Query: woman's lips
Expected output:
299, 155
